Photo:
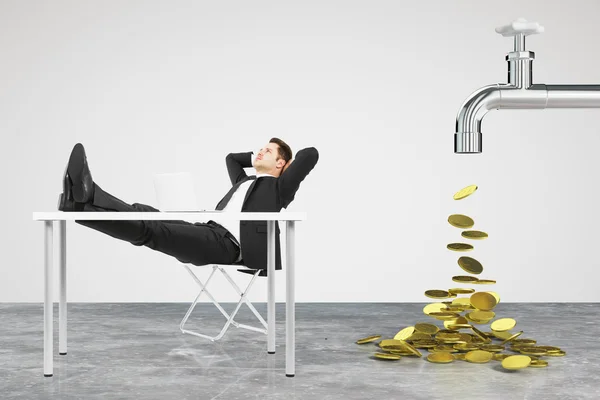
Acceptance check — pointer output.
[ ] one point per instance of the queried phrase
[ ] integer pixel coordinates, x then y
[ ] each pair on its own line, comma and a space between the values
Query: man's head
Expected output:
273, 157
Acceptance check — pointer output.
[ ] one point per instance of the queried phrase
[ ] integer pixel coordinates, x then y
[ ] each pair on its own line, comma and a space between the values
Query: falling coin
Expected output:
461, 291
405, 333
444, 315
433, 307
485, 282
368, 339
464, 278
496, 296
437, 294
442, 357
513, 337
470, 265
479, 356
503, 324
429, 329
388, 356
461, 221
502, 335
483, 301
475, 235
516, 362
465, 192
481, 316
538, 364
459, 247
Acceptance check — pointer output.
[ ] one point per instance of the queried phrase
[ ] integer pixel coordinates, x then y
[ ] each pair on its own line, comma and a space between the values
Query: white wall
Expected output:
151, 86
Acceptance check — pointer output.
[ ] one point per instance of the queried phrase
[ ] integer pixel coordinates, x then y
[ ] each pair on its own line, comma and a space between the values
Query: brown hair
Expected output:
284, 150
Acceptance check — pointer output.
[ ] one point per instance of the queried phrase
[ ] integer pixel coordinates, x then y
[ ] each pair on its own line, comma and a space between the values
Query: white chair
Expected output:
175, 192
229, 317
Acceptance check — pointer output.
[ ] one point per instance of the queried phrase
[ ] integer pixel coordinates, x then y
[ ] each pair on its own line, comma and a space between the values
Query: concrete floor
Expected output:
135, 351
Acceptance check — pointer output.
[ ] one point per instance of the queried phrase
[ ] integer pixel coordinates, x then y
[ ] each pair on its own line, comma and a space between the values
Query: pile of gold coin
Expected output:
460, 339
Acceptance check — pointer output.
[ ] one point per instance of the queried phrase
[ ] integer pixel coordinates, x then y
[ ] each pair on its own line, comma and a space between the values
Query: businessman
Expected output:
274, 186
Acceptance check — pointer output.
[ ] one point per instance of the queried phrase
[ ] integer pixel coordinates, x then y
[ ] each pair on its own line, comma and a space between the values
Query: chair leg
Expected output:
229, 317
203, 290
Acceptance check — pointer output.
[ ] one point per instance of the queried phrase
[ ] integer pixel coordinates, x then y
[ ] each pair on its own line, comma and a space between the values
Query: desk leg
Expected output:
290, 307
62, 305
48, 339
271, 285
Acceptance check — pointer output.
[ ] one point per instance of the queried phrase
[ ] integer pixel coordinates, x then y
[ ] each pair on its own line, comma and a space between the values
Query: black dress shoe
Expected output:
66, 204
82, 184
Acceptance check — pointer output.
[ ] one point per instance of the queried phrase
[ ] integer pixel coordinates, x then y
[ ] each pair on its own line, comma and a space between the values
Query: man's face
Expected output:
268, 159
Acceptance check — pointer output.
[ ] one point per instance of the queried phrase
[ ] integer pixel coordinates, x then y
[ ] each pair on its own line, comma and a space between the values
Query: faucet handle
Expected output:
520, 27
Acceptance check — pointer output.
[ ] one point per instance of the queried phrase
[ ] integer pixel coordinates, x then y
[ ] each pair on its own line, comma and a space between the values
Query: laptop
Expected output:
175, 192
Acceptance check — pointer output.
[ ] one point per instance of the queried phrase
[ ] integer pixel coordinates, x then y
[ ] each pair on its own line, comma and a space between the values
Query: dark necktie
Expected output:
223, 203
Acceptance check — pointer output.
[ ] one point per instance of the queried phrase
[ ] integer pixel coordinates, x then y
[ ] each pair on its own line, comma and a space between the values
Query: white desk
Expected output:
62, 217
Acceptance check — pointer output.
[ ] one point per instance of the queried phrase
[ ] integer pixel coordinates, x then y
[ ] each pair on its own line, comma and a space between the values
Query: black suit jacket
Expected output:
267, 194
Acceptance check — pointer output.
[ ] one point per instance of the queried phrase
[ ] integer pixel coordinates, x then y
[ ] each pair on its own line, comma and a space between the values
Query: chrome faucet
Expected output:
519, 93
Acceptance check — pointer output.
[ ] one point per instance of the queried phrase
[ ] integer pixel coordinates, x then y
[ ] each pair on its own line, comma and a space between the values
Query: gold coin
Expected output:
441, 357
461, 221
503, 324
433, 307
459, 326
459, 356
516, 362
550, 348
461, 291
466, 346
447, 336
502, 335
444, 347
483, 301
459, 247
368, 339
538, 364
465, 301
425, 344
480, 334
496, 296
390, 342
428, 329
419, 336
444, 315
532, 351
481, 316
454, 321
493, 348
513, 337
485, 282
479, 356
412, 349
404, 333
388, 356
475, 235
470, 265
524, 341
465, 192
464, 278
437, 294
555, 354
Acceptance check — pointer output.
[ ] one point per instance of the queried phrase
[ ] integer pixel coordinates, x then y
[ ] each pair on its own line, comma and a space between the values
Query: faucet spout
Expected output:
468, 137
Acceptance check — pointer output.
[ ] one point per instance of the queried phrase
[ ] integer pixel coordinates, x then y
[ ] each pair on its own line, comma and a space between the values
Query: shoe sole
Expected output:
75, 169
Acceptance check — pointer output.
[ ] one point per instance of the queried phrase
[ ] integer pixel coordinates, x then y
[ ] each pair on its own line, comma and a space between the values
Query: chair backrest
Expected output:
175, 192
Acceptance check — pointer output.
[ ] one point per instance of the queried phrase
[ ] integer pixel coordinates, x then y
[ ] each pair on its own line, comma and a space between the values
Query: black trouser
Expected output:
194, 243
